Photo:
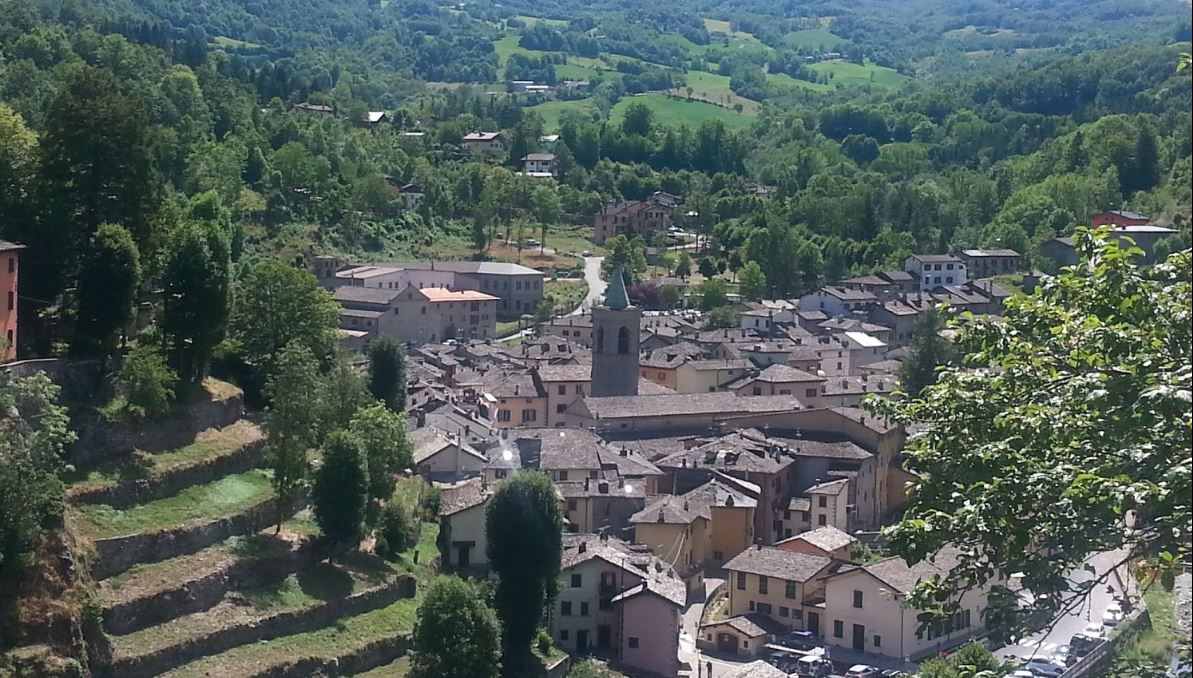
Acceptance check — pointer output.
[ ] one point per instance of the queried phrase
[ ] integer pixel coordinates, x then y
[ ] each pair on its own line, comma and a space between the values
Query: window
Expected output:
577, 581
561, 408
789, 590
857, 599
623, 341
741, 581
563, 475
821, 519
717, 555
632, 642
762, 584
563, 634
764, 608
563, 389
810, 393
752, 604
571, 504
822, 501
784, 611
757, 390
529, 415
838, 629
797, 613
12, 264
877, 641
565, 608
583, 609
500, 473
11, 300
503, 415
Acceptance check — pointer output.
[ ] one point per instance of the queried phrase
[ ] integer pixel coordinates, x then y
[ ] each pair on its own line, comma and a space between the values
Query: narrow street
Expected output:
596, 286
1045, 642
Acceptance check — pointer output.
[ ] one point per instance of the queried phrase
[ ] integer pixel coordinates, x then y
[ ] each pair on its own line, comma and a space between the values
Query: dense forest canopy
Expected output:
155, 114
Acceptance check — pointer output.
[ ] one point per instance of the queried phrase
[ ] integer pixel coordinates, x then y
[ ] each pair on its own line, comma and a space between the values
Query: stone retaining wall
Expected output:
141, 490
101, 439
117, 554
377, 653
203, 592
274, 626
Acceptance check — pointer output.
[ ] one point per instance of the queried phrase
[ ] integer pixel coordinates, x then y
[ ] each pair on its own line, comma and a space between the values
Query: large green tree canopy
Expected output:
1065, 433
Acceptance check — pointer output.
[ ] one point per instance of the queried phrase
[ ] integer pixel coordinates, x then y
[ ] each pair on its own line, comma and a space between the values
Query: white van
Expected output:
814, 666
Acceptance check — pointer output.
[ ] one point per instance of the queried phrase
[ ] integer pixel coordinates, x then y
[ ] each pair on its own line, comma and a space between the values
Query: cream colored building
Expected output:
439, 455
564, 385
864, 610
784, 585
462, 541
829, 504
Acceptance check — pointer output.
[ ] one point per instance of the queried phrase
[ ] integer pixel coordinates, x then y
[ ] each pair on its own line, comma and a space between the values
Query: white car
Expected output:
1043, 668
1094, 629
862, 671
1113, 615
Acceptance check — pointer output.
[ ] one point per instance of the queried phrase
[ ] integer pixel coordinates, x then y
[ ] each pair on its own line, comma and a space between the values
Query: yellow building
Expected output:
784, 585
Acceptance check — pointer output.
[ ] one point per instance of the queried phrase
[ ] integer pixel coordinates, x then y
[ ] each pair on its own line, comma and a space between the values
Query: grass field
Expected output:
208, 444
715, 88
552, 111
813, 39
224, 41
223, 497
848, 73
533, 20
345, 635
739, 37
508, 45
786, 81
572, 240
567, 293
668, 111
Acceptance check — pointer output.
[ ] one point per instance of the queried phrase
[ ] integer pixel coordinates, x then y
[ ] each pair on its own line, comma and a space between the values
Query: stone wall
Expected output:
101, 439
274, 626
117, 554
376, 653
206, 590
141, 490
80, 380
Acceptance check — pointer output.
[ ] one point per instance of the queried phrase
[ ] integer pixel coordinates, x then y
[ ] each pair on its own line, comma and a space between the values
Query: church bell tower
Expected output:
616, 331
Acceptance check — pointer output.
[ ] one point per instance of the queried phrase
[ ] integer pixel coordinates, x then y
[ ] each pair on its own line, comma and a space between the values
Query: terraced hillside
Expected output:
193, 578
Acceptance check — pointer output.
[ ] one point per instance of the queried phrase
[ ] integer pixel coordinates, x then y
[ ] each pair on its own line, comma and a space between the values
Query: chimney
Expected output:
660, 515
603, 487
758, 543
684, 464
420, 417
685, 504
625, 452
586, 484
583, 547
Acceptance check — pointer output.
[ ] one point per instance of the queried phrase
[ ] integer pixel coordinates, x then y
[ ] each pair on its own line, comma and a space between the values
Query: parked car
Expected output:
784, 661
1019, 674
1113, 615
862, 671
1043, 668
813, 667
586, 253
893, 673
798, 640
1081, 644
1063, 655
1095, 629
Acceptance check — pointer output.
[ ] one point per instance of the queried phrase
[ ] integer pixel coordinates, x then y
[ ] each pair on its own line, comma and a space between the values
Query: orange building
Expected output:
8, 299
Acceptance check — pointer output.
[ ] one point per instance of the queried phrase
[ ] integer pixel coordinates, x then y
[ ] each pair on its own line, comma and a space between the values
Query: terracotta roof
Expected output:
438, 294
769, 561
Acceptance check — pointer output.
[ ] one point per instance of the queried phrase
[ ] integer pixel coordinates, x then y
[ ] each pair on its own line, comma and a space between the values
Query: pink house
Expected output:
9, 270
620, 602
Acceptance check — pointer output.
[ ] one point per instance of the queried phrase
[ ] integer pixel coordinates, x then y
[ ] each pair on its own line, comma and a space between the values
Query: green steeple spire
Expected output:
616, 297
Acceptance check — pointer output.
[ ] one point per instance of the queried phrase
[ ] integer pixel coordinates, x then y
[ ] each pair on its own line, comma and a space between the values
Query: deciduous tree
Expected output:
340, 493
524, 529
387, 447
387, 372
196, 291
277, 304
752, 281
109, 277
1066, 433
291, 423
456, 635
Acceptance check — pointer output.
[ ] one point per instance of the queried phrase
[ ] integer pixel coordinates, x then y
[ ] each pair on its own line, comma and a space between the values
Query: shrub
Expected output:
543, 642
146, 381
398, 531
431, 500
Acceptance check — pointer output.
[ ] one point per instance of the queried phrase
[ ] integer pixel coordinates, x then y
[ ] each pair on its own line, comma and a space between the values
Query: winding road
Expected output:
596, 286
